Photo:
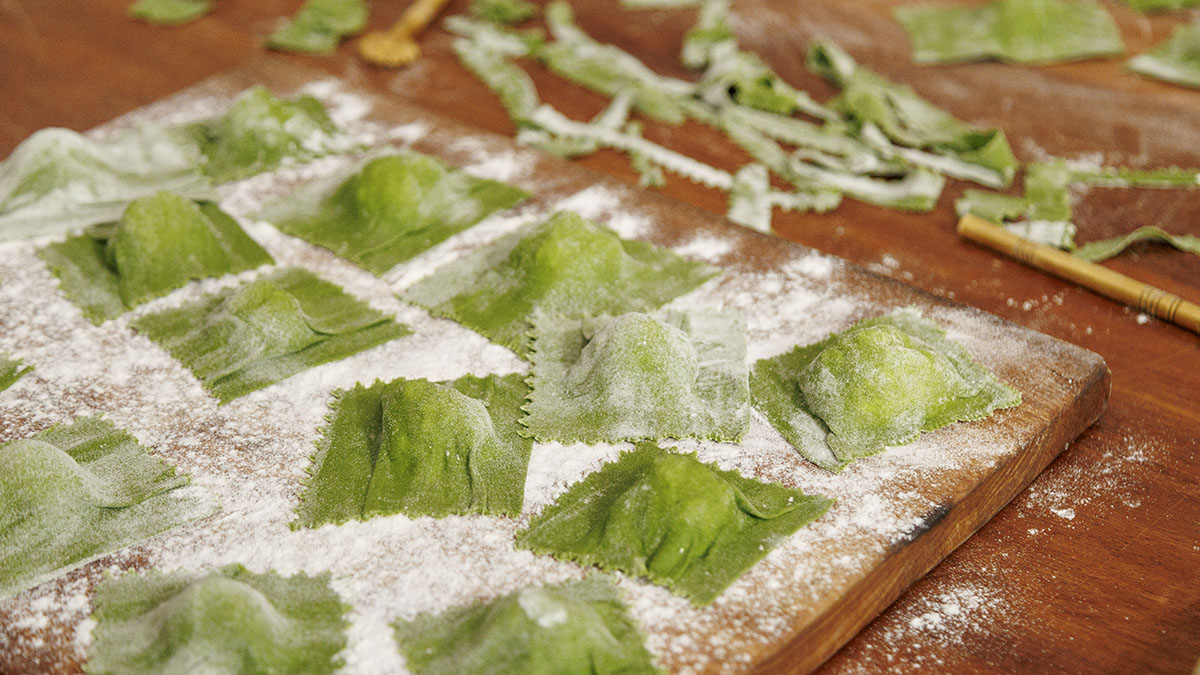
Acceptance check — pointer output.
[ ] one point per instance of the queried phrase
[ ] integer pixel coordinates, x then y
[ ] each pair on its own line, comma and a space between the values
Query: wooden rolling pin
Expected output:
1149, 299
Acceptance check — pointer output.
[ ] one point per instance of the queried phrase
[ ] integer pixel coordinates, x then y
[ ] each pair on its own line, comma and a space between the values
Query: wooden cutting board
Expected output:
897, 515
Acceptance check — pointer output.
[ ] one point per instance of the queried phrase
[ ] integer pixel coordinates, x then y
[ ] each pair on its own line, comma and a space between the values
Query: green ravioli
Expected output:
319, 25
391, 209
668, 517
1176, 60
566, 265
267, 330
58, 181
869, 98
1021, 31
161, 243
170, 12
78, 491
577, 627
419, 448
11, 370
260, 131
228, 620
880, 382
639, 376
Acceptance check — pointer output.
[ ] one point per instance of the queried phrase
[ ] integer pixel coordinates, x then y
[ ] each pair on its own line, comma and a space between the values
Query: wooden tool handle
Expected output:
416, 17
1149, 299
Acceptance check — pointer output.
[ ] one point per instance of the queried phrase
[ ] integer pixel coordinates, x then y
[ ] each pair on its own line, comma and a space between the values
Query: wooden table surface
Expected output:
1095, 568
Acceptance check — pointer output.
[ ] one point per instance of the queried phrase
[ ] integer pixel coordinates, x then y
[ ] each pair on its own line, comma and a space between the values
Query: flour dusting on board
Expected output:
251, 454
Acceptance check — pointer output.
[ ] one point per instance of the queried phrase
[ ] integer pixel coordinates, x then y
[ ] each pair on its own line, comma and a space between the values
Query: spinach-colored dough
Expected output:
161, 243
668, 517
881, 382
638, 376
566, 265
420, 448
11, 370
267, 330
170, 12
577, 627
503, 11
1176, 60
260, 131
59, 181
1022, 31
1103, 249
319, 25
1161, 5
78, 491
228, 620
869, 98
390, 210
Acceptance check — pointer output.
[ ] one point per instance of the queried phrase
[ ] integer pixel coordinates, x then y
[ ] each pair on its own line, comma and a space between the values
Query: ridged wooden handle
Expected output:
1149, 299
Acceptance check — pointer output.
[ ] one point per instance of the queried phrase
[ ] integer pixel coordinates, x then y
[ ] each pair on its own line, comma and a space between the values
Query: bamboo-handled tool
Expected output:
396, 47
1164, 305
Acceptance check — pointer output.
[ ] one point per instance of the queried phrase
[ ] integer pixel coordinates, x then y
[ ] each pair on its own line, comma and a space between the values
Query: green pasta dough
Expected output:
319, 25
904, 117
668, 517
577, 627
391, 209
58, 181
419, 448
260, 131
1176, 60
161, 243
11, 370
639, 376
566, 265
503, 11
229, 620
1096, 251
267, 330
881, 382
78, 491
170, 12
1022, 31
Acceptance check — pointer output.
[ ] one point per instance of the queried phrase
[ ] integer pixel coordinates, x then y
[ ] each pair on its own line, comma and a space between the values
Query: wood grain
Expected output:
1111, 590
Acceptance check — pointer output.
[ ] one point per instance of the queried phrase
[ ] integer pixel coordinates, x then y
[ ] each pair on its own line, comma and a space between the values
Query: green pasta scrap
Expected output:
228, 620
260, 131
503, 11
390, 209
639, 376
319, 25
1020, 31
576, 627
683, 524
58, 181
566, 265
1176, 60
1096, 251
78, 491
420, 448
904, 117
161, 243
170, 12
1161, 5
11, 370
879, 383
264, 331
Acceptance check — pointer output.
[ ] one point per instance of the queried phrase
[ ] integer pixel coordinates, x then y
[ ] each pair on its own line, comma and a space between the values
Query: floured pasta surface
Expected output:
251, 454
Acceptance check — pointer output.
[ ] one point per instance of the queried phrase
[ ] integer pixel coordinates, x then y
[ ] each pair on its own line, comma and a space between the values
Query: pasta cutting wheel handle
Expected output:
395, 47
